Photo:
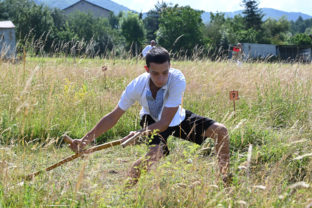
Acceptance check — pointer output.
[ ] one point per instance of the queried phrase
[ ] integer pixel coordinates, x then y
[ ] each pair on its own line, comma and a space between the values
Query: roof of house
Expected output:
6, 24
87, 2
105, 4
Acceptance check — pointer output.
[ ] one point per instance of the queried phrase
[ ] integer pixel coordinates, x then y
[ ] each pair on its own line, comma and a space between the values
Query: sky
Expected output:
303, 6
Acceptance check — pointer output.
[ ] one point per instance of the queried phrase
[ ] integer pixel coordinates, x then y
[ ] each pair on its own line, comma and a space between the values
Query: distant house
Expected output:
295, 53
88, 7
98, 8
7, 40
93, 4
258, 51
282, 52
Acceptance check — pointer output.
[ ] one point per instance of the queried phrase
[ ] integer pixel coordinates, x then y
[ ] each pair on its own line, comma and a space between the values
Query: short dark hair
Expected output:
157, 55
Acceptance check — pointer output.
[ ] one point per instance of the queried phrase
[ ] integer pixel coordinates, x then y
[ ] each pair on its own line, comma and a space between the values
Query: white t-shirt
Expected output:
172, 96
146, 50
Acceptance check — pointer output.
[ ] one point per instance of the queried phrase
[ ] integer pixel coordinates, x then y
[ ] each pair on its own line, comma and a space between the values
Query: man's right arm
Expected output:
106, 123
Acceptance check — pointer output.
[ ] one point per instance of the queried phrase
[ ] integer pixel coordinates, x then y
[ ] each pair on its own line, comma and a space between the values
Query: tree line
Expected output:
42, 30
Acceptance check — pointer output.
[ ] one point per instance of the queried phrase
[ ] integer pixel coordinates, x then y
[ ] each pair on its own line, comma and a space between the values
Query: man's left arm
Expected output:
166, 118
161, 125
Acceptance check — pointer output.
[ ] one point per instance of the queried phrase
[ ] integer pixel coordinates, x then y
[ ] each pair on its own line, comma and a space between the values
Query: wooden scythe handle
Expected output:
79, 154
131, 140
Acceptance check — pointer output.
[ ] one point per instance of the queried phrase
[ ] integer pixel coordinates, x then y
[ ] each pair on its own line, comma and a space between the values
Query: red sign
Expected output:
234, 95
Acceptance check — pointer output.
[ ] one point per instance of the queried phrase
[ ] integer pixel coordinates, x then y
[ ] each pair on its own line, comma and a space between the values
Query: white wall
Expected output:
7, 43
253, 50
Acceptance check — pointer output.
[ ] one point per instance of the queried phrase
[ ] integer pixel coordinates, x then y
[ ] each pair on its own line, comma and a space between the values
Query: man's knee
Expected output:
221, 129
216, 131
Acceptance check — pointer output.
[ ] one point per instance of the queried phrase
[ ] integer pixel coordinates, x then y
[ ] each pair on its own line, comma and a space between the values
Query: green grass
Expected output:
53, 96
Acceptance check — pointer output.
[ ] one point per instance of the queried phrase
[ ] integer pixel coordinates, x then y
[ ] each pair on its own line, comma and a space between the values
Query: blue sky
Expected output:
304, 6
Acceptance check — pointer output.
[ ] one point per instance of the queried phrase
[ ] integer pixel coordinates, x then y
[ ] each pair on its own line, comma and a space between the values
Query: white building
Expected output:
7, 40
258, 51
289, 53
98, 8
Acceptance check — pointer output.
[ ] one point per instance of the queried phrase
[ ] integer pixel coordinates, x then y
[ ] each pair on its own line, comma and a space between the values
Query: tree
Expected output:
12, 9
300, 25
216, 36
308, 31
65, 34
180, 29
133, 30
90, 34
113, 20
59, 18
35, 28
105, 36
252, 15
275, 30
248, 36
82, 24
151, 24
234, 27
34, 24
3, 12
301, 39
151, 21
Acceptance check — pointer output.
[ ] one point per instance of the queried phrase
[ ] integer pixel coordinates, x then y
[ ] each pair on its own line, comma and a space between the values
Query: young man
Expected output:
160, 91
148, 47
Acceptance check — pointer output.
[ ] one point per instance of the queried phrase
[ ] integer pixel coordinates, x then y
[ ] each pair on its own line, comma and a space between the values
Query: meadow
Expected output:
270, 134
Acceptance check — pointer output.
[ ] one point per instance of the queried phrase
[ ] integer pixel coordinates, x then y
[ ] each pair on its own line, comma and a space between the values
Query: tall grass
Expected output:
53, 96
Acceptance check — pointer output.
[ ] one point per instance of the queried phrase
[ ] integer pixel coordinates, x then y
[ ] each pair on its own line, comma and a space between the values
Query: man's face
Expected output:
159, 73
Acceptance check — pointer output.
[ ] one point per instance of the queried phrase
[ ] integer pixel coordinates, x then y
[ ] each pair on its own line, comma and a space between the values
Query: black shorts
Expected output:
191, 129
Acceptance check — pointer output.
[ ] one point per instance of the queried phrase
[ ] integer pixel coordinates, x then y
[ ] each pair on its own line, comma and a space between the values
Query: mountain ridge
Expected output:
268, 13
108, 4
116, 8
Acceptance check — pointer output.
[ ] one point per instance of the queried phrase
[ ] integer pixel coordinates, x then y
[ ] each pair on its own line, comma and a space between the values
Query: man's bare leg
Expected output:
219, 133
154, 154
